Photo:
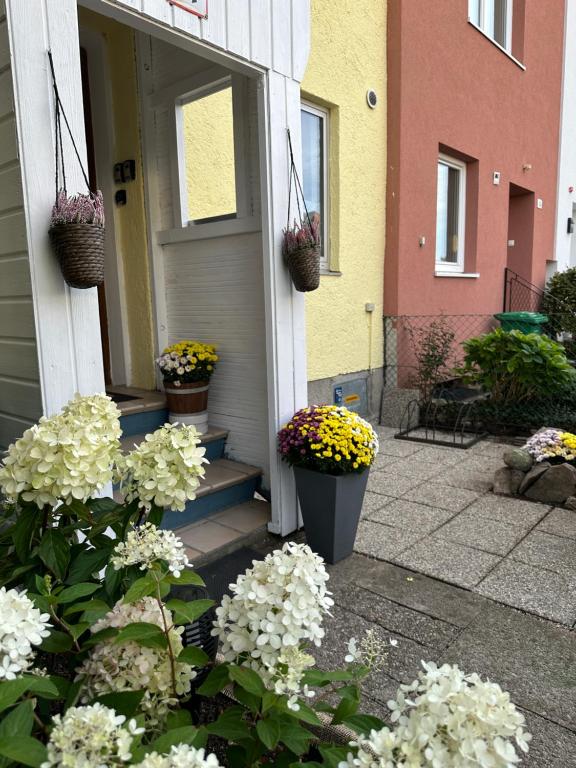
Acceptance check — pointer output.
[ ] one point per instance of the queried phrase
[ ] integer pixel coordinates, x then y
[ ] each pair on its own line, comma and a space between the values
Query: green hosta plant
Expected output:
514, 366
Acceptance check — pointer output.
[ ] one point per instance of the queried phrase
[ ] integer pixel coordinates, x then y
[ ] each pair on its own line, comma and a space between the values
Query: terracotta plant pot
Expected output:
330, 506
188, 404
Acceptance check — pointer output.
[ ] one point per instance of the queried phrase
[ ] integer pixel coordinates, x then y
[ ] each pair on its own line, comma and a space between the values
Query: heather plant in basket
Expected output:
328, 438
303, 235
78, 209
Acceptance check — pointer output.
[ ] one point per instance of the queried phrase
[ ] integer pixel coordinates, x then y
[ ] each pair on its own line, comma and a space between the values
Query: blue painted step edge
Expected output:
215, 449
144, 421
212, 503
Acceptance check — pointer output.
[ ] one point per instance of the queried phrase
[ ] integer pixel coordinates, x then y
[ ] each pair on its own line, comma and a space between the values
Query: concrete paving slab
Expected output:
524, 514
545, 550
561, 522
410, 516
373, 502
471, 479
389, 484
492, 536
532, 589
530, 658
412, 468
399, 447
442, 496
383, 541
552, 746
439, 455
412, 590
448, 561
395, 618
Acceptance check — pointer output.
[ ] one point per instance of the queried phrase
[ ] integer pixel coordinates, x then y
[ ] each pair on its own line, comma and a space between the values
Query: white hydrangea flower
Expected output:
21, 627
446, 718
90, 737
65, 457
146, 545
276, 609
165, 469
180, 756
113, 667
371, 651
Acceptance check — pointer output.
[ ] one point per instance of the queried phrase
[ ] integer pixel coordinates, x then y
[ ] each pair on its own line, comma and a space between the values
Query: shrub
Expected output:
433, 348
559, 301
514, 366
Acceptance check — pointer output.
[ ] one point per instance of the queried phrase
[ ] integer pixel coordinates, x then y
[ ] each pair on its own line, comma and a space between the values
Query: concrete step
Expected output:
214, 441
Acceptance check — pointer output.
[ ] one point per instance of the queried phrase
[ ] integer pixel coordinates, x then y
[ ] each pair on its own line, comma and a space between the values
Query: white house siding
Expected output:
565, 242
20, 399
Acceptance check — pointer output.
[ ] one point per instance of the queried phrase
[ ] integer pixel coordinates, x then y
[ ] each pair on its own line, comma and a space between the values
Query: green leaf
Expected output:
347, 707
185, 578
23, 749
216, 681
186, 735
112, 581
304, 713
187, 613
363, 724
99, 637
125, 702
269, 700
317, 678
195, 656
231, 725
143, 633
181, 718
79, 509
46, 687
57, 642
268, 732
103, 506
333, 756
96, 606
77, 591
11, 690
296, 738
248, 679
250, 701
23, 531
78, 629
19, 721
143, 587
88, 562
54, 552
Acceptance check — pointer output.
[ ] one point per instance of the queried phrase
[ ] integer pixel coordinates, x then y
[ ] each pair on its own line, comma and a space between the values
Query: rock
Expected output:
570, 502
507, 481
517, 458
555, 485
533, 475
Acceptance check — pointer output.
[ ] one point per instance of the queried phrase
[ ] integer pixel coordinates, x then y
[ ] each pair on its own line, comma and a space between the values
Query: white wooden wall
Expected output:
20, 400
66, 324
274, 34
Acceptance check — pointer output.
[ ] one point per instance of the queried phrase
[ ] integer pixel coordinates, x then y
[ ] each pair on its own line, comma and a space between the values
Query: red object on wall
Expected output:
451, 89
188, 5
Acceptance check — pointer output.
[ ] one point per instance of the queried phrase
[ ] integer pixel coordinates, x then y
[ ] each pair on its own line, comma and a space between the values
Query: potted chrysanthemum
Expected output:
331, 450
186, 368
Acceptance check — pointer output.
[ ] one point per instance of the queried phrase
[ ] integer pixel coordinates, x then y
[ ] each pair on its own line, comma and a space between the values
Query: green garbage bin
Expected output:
527, 322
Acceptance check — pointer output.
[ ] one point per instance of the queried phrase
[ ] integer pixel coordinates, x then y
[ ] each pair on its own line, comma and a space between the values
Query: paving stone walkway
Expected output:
430, 509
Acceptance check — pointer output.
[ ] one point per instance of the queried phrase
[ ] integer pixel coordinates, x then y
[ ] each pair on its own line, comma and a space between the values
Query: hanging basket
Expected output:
304, 267
80, 252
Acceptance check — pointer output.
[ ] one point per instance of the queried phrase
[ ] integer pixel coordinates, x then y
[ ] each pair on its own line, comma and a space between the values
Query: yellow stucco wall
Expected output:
209, 140
348, 57
129, 220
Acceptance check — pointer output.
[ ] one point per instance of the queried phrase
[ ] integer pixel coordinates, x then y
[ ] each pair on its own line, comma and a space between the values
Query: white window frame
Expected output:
324, 114
482, 22
459, 165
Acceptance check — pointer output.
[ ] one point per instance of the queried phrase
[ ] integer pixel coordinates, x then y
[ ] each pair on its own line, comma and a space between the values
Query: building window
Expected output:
207, 167
315, 170
494, 18
450, 215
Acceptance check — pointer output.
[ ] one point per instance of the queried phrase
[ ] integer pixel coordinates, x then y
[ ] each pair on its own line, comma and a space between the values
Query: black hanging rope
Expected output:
59, 146
295, 178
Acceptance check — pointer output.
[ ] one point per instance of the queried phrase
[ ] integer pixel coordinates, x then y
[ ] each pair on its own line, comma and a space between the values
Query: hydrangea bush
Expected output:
328, 438
187, 362
94, 672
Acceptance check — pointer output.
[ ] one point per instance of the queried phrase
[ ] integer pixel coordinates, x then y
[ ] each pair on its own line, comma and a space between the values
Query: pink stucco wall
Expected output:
449, 86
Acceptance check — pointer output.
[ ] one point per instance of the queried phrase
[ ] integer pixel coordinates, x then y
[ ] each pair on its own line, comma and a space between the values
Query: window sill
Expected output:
329, 272
468, 275
497, 45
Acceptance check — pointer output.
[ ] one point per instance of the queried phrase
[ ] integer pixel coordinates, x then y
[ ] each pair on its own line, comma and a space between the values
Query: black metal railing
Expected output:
520, 295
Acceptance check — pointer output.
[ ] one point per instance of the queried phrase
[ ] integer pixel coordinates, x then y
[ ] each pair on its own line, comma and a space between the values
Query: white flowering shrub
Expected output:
114, 667
165, 469
275, 611
22, 626
66, 457
181, 756
446, 718
147, 545
87, 737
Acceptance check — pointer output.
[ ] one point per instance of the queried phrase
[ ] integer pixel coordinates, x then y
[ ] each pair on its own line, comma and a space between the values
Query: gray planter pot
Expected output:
331, 507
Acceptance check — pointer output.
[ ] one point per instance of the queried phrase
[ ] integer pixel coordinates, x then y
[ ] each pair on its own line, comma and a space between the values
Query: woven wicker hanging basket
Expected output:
78, 245
304, 267
80, 252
